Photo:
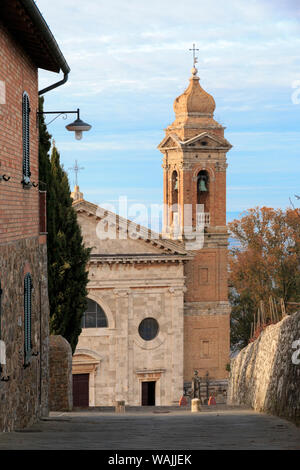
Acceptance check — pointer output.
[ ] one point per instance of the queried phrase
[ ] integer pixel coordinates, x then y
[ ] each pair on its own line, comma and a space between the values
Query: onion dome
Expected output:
194, 101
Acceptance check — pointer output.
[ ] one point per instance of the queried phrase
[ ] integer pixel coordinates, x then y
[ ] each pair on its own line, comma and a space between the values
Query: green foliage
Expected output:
242, 314
67, 256
263, 264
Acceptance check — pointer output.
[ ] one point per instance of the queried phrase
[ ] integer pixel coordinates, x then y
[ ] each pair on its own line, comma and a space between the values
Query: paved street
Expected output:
155, 430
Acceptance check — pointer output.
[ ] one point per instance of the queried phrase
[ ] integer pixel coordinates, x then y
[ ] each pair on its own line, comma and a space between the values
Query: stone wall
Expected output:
24, 397
266, 374
60, 365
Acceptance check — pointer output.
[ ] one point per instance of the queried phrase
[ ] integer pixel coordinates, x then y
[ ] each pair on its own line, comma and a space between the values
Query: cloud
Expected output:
129, 61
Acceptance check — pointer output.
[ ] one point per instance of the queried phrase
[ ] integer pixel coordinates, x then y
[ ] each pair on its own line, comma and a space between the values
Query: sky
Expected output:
130, 60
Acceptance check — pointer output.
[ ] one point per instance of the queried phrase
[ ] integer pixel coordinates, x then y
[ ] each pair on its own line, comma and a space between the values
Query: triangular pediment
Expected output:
207, 140
200, 141
124, 237
171, 141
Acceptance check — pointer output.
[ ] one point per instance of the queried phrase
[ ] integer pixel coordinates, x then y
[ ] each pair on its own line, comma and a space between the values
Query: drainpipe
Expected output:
41, 24
55, 85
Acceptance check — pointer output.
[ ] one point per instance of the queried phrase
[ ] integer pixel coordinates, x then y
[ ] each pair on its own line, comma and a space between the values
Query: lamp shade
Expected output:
78, 127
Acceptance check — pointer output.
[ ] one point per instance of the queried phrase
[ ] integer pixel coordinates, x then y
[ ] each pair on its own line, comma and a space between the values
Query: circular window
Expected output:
148, 329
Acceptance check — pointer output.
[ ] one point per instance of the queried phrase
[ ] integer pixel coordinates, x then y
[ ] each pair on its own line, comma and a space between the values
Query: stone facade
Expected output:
182, 286
60, 373
24, 397
266, 374
146, 282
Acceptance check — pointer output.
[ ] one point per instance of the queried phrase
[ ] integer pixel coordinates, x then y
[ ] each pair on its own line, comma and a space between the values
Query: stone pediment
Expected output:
171, 141
125, 239
202, 141
207, 140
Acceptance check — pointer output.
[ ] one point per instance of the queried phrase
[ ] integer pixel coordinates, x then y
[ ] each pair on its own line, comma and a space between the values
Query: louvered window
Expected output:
26, 139
27, 317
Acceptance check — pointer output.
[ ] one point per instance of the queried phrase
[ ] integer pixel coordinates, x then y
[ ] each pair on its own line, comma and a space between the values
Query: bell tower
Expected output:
194, 163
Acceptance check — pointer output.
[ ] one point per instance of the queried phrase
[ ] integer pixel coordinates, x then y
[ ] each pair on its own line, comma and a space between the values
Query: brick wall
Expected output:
24, 398
19, 213
206, 344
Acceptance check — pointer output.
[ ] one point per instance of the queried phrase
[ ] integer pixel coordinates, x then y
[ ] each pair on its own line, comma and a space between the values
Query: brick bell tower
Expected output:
194, 166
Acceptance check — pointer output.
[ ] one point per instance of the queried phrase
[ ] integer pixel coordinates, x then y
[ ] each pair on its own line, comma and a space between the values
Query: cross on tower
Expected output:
194, 54
76, 170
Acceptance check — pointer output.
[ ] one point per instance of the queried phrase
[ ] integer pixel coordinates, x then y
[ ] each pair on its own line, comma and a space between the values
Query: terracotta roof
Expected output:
24, 21
194, 100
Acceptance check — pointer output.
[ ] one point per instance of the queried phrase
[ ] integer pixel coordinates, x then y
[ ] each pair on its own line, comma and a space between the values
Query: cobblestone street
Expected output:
156, 429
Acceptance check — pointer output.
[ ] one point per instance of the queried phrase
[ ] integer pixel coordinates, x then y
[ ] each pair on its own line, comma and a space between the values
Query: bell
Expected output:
202, 185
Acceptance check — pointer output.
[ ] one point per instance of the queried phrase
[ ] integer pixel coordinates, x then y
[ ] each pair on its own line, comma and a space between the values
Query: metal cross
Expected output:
194, 54
76, 170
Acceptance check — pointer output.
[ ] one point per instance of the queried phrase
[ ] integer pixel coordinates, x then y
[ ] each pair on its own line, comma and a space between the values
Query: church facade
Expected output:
157, 305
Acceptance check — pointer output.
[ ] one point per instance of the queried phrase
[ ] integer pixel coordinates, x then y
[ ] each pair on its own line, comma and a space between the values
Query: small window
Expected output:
26, 139
27, 317
148, 329
94, 316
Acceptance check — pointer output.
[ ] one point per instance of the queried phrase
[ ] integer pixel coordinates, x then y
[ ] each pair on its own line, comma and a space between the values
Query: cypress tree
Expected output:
67, 256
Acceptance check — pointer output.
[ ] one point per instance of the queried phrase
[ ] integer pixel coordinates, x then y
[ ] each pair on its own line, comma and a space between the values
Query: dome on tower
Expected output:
195, 100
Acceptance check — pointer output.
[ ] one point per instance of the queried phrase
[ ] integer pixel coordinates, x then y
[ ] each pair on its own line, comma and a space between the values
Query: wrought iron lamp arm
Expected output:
59, 113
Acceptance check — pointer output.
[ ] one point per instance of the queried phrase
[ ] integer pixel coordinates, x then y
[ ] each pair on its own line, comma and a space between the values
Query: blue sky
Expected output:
130, 60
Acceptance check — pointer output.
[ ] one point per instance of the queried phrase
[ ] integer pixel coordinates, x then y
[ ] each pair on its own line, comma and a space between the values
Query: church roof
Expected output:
173, 141
194, 99
26, 23
194, 112
171, 250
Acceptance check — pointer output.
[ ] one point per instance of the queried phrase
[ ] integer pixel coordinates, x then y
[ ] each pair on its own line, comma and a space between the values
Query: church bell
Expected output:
202, 185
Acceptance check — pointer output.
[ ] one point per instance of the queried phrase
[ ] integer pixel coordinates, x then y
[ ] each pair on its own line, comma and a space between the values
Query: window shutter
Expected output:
43, 212
26, 138
27, 317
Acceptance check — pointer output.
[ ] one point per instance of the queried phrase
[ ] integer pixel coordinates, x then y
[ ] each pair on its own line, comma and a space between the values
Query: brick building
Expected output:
26, 44
158, 307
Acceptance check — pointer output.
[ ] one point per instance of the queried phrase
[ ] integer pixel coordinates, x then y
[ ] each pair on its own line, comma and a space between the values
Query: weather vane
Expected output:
194, 54
76, 170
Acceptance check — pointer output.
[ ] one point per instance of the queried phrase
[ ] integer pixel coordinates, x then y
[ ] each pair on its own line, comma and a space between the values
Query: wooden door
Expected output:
148, 393
81, 390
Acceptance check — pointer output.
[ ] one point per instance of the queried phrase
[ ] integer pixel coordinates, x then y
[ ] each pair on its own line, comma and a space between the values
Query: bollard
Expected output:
196, 405
120, 406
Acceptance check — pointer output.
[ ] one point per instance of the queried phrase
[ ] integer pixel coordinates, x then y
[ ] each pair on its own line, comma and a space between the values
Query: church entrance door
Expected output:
148, 393
81, 390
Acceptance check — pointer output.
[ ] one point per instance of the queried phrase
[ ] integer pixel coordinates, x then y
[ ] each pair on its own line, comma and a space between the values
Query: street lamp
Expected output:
78, 126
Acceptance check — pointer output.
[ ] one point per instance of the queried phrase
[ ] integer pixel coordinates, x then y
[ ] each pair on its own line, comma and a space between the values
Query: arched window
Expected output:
203, 189
174, 187
27, 317
26, 139
94, 316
